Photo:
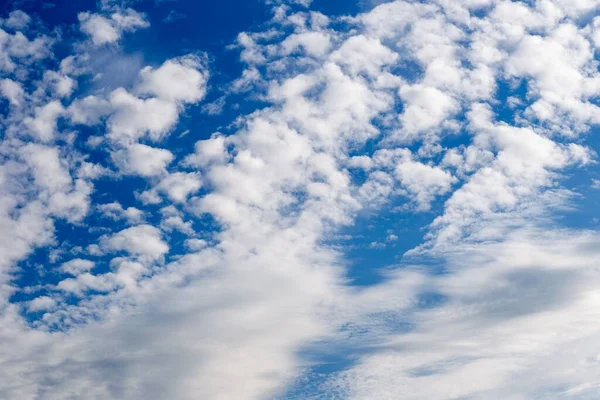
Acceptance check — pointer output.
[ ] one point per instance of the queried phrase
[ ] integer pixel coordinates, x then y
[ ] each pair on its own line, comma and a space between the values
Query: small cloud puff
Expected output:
109, 29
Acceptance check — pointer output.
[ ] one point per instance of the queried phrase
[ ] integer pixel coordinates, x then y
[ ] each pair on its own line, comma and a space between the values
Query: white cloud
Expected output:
362, 162
377, 189
17, 19
17, 48
195, 244
48, 170
424, 108
125, 275
139, 159
423, 181
172, 220
41, 303
176, 223
77, 266
12, 91
216, 107
109, 29
116, 212
213, 150
562, 56
316, 44
514, 306
89, 170
141, 240
43, 125
60, 84
179, 185
134, 117
363, 54
89, 110
98, 28
523, 167
179, 80
148, 197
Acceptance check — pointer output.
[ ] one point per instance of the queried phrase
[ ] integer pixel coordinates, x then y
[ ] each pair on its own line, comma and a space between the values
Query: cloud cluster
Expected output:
109, 28
397, 106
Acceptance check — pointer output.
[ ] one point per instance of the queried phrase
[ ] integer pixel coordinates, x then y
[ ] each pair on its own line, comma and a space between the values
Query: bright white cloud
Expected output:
178, 186
143, 160
109, 29
116, 212
425, 108
43, 125
213, 150
60, 84
12, 91
134, 117
363, 54
77, 266
179, 80
41, 303
142, 311
17, 48
48, 170
140, 240
423, 181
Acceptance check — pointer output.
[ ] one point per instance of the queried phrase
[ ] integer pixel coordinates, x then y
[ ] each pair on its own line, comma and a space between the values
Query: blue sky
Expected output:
296, 199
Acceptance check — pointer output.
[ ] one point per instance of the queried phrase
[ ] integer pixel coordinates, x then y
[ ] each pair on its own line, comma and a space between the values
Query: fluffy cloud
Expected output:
41, 303
178, 186
17, 48
363, 54
423, 181
142, 160
116, 211
177, 80
108, 29
77, 266
48, 170
141, 240
12, 91
134, 117
43, 125
399, 101
17, 19
213, 150
425, 108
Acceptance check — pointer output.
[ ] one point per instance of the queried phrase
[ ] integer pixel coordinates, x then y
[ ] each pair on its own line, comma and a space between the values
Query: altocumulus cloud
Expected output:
214, 271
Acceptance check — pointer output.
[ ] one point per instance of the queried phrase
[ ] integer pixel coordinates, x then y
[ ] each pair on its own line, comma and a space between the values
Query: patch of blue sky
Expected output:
375, 244
583, 209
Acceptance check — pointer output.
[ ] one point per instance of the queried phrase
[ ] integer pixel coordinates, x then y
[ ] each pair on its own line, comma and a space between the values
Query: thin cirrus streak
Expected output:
132, 267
